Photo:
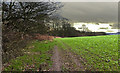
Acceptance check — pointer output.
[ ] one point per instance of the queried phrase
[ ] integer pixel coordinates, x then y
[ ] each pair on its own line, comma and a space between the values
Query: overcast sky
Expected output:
90, 11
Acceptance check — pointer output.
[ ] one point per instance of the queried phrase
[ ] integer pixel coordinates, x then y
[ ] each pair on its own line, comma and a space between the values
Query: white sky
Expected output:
96, 28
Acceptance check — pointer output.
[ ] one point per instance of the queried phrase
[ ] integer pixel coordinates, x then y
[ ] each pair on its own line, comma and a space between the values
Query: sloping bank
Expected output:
37, 57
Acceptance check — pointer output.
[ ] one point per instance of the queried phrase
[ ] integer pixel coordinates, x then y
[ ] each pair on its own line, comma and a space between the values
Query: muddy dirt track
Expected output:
56, 60
65, 60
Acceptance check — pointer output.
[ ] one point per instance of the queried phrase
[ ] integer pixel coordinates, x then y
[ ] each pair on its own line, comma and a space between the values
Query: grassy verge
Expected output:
36, 56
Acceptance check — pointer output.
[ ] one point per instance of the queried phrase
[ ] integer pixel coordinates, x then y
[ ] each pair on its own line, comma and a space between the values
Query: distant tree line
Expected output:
62, 27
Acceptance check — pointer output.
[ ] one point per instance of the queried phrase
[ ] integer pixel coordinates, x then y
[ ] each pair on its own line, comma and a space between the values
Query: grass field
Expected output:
97, 52
100, 52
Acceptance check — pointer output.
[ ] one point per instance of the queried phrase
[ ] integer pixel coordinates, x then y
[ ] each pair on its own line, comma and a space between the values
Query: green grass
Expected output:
100, 52
38, 56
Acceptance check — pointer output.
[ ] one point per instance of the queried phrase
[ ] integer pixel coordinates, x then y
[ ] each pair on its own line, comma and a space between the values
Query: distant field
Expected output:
99, 53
